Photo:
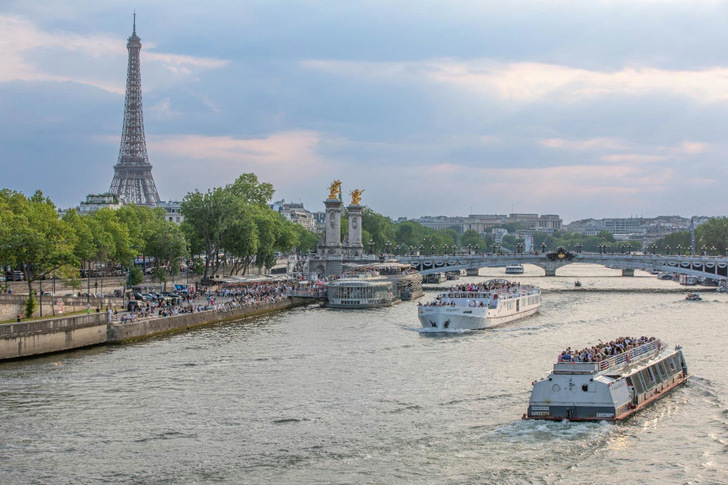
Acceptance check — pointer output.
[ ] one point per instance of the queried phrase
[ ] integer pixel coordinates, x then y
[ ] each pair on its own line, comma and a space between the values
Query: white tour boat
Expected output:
611, 389
514, 269
483, 305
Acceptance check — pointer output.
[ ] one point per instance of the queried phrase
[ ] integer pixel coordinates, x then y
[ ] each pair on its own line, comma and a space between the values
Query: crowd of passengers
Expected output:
604, 350
221, 300
497, 287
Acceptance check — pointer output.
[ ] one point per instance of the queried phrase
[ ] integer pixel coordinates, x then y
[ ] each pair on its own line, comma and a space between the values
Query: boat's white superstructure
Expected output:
479, 306
514, 269
611, 389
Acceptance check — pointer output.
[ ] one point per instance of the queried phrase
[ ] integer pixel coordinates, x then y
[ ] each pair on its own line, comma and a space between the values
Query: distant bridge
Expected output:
699, 266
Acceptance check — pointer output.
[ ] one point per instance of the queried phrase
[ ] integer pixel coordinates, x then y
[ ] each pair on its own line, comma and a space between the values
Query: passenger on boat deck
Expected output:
603, 350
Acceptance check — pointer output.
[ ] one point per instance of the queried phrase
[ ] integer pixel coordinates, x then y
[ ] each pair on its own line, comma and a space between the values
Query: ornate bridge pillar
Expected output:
332, 235
550, 267
356, 247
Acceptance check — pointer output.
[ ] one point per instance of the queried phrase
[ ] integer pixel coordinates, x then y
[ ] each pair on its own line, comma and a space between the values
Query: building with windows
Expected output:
96, 202
172, 211
296, 213
482, 223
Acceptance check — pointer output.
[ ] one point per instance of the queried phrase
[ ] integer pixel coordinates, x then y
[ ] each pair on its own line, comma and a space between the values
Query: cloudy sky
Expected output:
599, 108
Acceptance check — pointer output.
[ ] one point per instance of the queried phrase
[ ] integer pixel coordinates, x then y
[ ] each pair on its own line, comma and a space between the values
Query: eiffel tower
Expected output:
133, 172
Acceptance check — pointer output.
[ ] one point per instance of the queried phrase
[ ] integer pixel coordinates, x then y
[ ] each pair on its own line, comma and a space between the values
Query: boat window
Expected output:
651, 372
663, 369
638, 385
646, 379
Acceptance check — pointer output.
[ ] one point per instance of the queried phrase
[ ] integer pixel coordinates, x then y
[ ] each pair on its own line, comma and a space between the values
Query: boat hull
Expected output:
454, 318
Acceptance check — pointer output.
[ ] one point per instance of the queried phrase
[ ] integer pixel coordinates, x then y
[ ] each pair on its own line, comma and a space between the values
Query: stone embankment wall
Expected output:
46, 336
12, 305
55, 335
148, 327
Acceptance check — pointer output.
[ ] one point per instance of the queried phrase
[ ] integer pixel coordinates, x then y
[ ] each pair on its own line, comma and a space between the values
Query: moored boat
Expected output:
611, 388
361, 292
477, 306
695, 296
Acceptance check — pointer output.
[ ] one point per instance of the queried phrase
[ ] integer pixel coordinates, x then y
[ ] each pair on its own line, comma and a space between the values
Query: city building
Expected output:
172, 211
95, 202
482, 223
296, 213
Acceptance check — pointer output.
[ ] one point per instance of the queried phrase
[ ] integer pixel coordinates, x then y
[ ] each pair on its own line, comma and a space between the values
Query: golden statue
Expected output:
335, 190
355, 196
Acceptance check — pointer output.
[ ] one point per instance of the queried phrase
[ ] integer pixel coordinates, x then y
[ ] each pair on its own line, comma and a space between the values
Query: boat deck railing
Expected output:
612, 362
631, 355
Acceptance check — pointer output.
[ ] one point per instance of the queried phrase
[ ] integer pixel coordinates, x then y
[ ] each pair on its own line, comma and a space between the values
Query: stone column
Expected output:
332, 238
356, 247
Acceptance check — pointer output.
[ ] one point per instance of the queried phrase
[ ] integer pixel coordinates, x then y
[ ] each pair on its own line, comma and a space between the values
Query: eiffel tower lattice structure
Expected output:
133, 173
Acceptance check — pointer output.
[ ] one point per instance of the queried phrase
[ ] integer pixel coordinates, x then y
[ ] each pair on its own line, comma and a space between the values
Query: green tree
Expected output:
307, 241
380, 229
472, 238
35, 239
168, 246
236, 220
713, 234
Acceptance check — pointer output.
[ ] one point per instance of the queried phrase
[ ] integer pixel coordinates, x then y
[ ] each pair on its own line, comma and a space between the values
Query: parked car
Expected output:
173, 297
139, 296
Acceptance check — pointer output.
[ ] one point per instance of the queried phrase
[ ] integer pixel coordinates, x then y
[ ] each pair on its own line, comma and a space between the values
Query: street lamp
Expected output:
543, 247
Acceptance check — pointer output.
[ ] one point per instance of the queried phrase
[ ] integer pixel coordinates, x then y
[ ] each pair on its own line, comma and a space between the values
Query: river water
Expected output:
313, 395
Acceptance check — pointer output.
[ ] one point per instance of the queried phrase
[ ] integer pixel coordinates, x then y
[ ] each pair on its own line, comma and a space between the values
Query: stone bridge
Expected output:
699, 266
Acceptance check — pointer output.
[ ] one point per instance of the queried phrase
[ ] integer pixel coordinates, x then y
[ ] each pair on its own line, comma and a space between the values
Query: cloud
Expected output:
287, 159
588, 144
534, 81
23, 47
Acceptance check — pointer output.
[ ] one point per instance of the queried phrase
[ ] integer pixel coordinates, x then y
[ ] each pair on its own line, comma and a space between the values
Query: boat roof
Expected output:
369, 281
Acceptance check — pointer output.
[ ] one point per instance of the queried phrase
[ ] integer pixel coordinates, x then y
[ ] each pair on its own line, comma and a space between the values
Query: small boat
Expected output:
577, 284
477, 306
665, 276
514, 269
610, 389
695, 296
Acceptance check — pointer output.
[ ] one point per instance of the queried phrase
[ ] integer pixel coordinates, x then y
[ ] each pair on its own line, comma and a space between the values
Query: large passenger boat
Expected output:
476, 306
610, 389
